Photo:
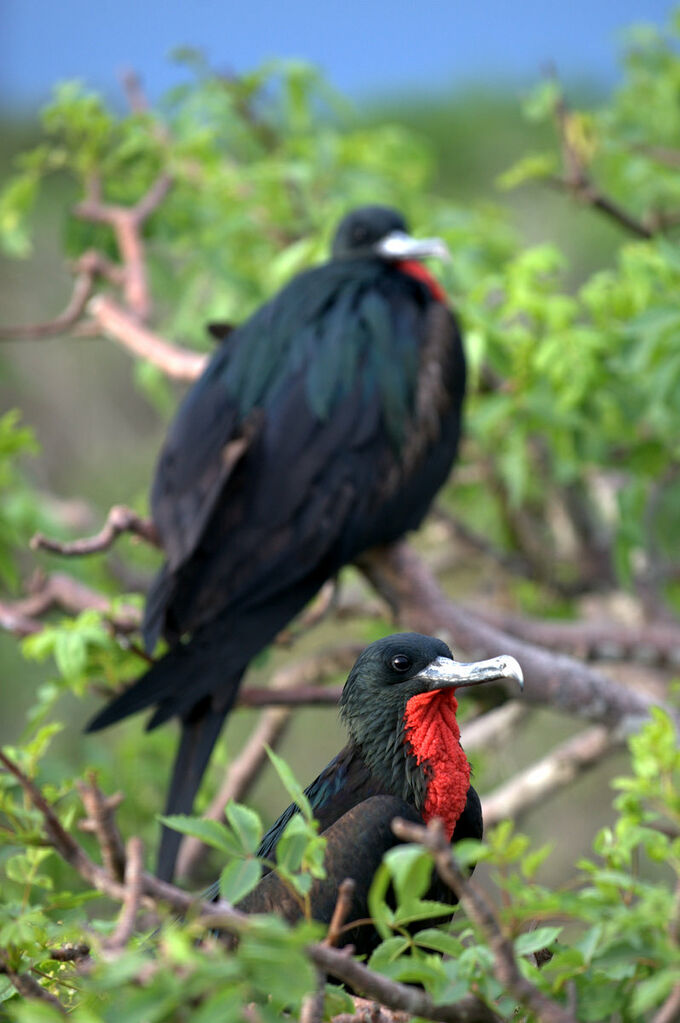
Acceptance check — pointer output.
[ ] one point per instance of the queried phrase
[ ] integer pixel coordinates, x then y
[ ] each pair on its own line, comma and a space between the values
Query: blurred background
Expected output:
453, 74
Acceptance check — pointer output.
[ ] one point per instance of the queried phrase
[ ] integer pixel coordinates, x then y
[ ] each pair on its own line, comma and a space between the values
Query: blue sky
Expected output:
366, 48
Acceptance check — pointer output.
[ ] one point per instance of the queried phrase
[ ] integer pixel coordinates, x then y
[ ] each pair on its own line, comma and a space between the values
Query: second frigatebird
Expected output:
322, 426
403, 759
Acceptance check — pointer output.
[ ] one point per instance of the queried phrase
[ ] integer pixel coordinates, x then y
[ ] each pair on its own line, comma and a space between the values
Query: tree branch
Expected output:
101, 821
559, 768
552, 680
119, 520
118, 324
134, 864
82, 289
28, 986
478, 909
649, 644
61, 590
401, 997
580, 185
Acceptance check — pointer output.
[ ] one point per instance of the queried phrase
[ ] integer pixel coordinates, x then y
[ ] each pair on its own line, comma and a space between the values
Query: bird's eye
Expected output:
359, 234
400, 662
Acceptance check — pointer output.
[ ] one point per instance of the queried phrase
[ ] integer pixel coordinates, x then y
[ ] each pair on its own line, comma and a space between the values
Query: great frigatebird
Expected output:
403, 759
322, 426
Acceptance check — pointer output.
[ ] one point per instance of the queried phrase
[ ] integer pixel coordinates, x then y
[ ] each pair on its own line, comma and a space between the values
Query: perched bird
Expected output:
322, 426
403, 759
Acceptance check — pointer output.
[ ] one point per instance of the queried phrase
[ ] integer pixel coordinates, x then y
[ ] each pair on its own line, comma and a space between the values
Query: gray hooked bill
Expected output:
445, 673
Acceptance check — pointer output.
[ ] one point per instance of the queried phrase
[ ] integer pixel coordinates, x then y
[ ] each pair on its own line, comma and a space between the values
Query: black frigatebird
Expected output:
403, 759
322, 426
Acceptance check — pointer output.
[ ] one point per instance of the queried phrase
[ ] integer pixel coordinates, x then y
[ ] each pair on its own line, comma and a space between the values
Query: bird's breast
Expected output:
432, 731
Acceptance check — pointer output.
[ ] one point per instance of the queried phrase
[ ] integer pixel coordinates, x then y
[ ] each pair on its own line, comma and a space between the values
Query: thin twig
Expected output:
62, 590
133, 885
478, 909
82, 289
343, 905
101, 821
119, 520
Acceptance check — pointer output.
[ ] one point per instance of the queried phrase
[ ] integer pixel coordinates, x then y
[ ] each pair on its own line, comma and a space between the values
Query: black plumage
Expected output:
383, 772
322, 426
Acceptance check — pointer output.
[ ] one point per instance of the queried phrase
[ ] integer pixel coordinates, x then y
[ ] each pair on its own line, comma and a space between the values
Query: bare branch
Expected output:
82, 289
339, 963
558, 769
492, 728
342, 908
101, 821
119, 520
121, 326
479, 910
61, 590
649, 644
307, 696
133, 884
552, 680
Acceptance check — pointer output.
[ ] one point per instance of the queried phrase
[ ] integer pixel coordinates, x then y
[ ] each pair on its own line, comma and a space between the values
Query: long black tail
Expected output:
199, 735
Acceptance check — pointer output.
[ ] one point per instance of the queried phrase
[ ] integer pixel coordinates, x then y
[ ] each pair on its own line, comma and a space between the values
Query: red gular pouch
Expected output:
431, 729
415, 269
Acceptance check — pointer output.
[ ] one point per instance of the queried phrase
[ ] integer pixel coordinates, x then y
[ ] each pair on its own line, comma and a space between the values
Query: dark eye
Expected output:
359, 234
400, 662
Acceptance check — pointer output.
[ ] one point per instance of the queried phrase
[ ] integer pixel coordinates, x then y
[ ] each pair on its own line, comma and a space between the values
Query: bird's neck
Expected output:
432, 738
415, 269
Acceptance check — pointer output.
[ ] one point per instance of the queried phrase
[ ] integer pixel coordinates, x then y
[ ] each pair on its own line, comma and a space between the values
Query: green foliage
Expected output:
614, 944
574, 399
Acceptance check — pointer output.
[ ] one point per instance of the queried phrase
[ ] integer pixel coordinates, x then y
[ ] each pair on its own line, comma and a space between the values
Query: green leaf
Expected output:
291, 784
246, 824
238, 879
212, 833
533, 941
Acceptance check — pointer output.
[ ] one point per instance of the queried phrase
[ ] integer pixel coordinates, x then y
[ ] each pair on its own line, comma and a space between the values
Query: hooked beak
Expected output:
399, 245
445, 673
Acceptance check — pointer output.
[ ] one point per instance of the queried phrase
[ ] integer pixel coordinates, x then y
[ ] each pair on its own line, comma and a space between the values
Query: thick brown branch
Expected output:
478, 909
394, 995
115, 322
653, 644
552, 680
558, 769
119, 520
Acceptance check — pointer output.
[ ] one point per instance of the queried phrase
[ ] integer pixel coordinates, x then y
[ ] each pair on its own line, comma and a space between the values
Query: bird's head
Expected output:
399, 706
382, 231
